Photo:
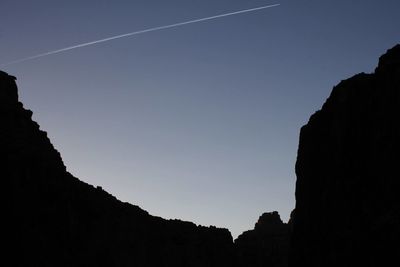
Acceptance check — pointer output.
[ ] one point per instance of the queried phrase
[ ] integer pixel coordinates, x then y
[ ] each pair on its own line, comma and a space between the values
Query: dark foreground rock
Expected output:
348, 178
54, 219
266, 245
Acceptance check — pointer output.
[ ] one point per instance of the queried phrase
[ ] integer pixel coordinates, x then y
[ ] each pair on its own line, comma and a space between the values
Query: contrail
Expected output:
136, 33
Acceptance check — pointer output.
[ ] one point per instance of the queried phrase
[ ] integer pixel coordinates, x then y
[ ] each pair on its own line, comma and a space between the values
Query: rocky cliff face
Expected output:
348, 181
265, 246
54, 219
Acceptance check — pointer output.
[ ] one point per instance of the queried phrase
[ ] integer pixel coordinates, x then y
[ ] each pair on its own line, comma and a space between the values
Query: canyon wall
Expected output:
348, 180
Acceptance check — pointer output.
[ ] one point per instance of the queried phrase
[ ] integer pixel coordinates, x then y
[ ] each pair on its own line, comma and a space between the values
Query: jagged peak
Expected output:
390, 61
268, 220
5, 74
9, 93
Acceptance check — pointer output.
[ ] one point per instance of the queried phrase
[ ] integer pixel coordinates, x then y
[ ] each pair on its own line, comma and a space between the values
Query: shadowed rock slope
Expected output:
54, 219
348, 179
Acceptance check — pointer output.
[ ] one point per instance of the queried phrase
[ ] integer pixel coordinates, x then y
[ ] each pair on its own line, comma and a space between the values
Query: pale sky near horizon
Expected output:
198, 122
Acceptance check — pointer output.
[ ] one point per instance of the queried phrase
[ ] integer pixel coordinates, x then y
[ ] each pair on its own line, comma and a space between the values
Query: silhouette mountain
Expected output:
54, 219
57, 220
348, 183
266, 245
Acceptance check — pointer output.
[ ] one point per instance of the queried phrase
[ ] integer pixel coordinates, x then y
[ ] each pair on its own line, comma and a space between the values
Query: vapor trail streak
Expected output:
136, 33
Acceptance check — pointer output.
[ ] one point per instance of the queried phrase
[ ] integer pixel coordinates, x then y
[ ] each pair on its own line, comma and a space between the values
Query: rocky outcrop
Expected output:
265, 246
348, 179
54, 219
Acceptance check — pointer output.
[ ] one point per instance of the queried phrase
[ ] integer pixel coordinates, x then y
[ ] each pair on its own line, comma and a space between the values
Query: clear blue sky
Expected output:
199, 122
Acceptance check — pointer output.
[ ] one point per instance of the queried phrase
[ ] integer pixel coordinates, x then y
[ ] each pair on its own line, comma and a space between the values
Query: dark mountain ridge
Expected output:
58, 220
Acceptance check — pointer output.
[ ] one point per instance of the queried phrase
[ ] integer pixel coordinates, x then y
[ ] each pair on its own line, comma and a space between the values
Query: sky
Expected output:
199, 122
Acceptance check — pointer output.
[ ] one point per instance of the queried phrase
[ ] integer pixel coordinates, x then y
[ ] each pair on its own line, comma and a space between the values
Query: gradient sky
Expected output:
199, 122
